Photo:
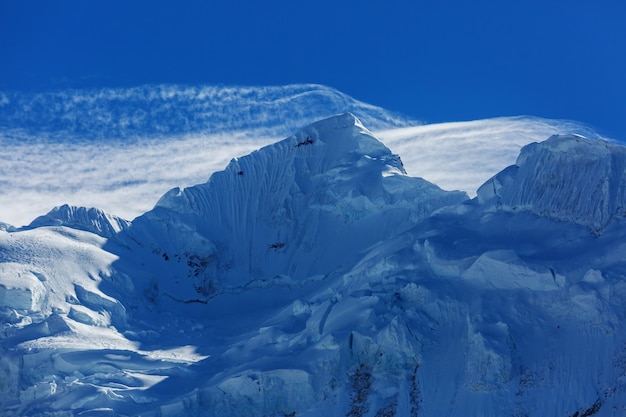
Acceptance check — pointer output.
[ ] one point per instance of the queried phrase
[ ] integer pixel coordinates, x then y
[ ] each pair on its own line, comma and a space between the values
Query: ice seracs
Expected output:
20, 288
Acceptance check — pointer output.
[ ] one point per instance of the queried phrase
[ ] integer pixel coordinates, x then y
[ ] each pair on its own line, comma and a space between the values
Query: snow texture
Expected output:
314, 277
326, 193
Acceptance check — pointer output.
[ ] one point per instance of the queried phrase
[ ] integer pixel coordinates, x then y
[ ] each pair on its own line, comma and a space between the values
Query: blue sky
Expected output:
435, 60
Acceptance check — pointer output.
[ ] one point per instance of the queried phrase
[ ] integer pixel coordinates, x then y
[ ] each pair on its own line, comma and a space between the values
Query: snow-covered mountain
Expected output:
90, 219
565, 178
315, 277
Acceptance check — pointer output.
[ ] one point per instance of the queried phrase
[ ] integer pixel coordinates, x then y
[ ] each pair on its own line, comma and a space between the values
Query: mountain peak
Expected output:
313, 277
568, 178
327, 145
346, 134
281, 210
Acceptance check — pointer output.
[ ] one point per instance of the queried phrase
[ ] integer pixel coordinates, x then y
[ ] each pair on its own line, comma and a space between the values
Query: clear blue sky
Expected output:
437, 60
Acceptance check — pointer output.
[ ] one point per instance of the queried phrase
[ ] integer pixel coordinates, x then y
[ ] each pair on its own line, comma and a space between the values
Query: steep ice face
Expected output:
20, 288
89, 219
300, 208
567, 178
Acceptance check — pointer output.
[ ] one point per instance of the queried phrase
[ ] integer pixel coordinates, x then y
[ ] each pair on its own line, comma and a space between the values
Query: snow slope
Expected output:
565, 177
92, 220
314, 277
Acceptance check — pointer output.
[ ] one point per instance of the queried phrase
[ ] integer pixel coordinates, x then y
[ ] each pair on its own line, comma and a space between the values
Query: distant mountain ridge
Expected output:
142, 140
165, 110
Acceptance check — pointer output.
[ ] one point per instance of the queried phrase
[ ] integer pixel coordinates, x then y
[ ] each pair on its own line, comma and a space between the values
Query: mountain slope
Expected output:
89, 219
314, 277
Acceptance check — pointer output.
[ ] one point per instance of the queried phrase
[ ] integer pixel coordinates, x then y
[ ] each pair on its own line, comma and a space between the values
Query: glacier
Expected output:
314, 276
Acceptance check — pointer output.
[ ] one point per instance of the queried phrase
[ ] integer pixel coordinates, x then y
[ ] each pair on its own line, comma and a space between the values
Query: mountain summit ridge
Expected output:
82, 218
127, 145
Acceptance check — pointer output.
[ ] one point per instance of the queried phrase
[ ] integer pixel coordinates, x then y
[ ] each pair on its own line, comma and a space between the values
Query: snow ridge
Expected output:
89, 219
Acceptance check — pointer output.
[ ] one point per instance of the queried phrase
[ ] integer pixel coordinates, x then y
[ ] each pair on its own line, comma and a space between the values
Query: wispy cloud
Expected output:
157, 110
123, 179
